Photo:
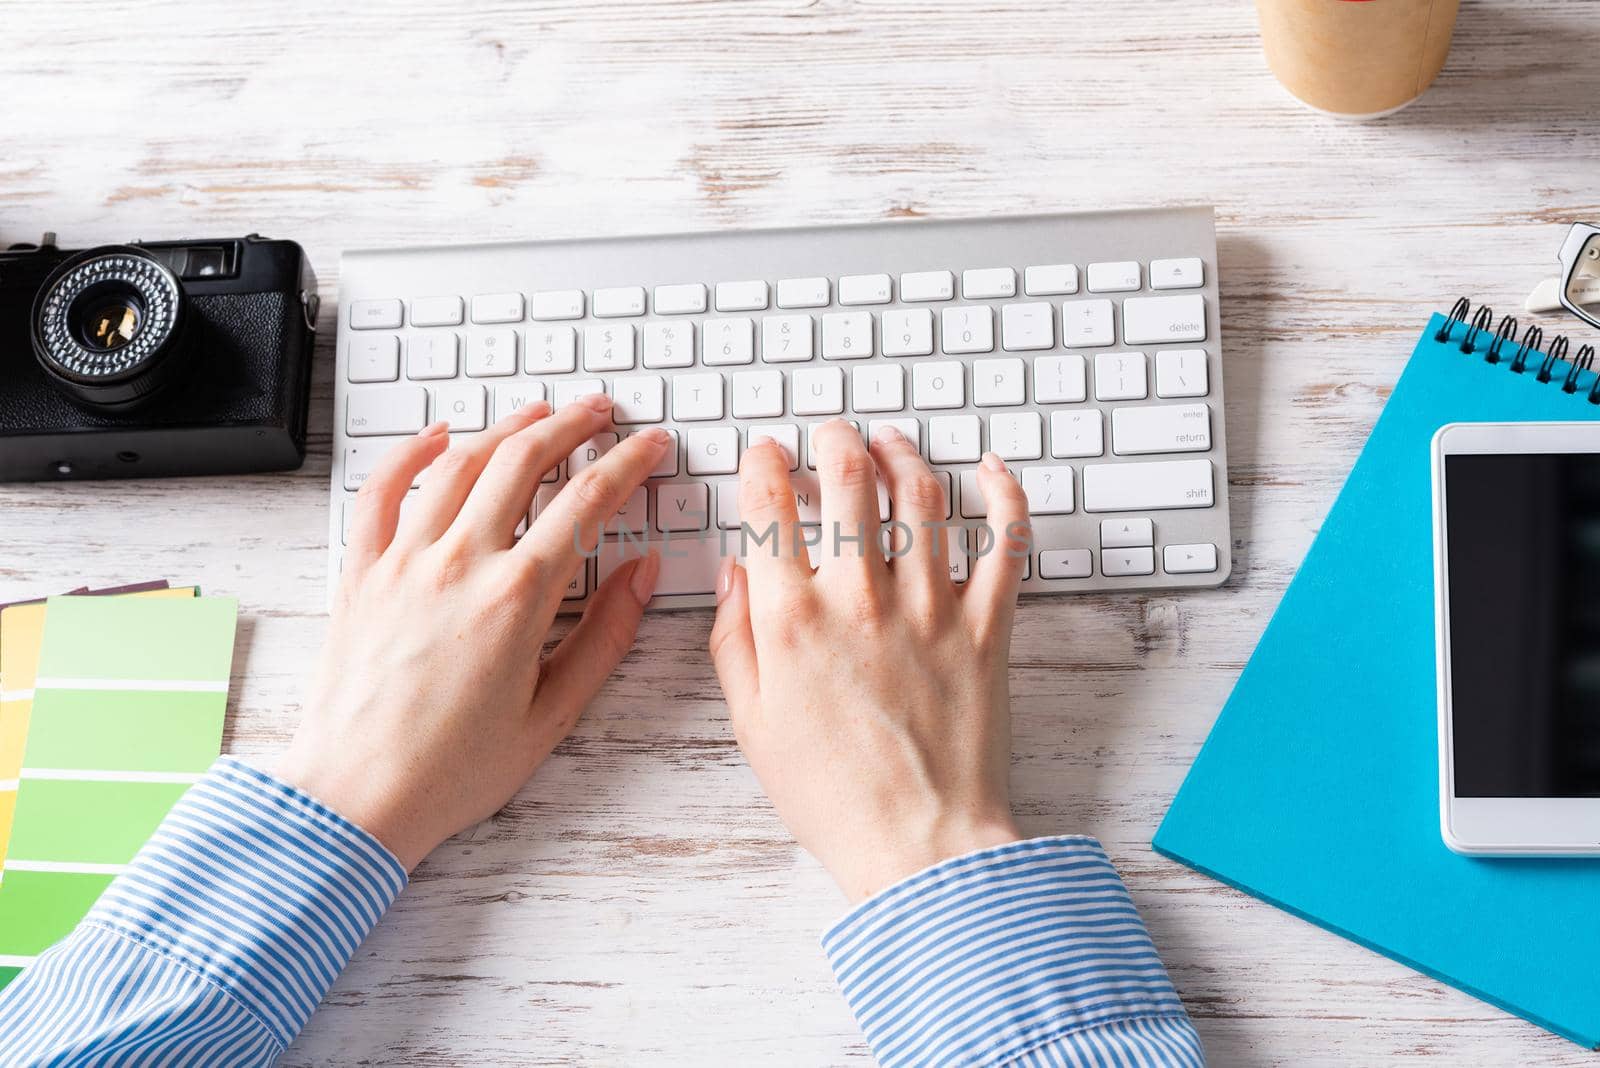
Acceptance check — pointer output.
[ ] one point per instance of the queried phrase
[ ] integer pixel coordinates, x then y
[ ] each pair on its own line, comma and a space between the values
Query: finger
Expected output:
553, 547
775, 557
849, 484
378, 501
919, 503
991, 593
580, 665
453, 475
733, 643
501, 497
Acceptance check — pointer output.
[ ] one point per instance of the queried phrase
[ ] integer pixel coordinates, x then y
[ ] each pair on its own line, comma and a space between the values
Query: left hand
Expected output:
431, 706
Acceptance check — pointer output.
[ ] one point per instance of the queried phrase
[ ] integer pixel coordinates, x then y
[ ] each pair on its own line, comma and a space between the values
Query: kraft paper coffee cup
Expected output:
1356, 59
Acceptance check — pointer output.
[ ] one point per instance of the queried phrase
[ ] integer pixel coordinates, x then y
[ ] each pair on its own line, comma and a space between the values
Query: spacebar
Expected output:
1145, 486
689, 562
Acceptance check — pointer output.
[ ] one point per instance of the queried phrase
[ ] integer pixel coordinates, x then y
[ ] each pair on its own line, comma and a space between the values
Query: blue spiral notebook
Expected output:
1317, 790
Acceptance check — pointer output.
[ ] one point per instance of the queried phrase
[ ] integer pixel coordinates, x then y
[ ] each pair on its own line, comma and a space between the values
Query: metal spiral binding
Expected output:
1532, 344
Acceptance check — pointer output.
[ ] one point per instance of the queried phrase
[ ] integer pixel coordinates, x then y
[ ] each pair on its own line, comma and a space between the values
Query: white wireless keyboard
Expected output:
1084, 349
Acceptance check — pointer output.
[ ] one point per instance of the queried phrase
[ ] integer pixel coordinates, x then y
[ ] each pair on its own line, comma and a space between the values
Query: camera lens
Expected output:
106, 326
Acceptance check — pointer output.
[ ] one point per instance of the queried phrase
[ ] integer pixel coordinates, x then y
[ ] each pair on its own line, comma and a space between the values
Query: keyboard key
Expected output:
713, 450
1177, 274
631, 516
492, 353
1017, 435
638, 399
433, 356
589, 453
1065, 563
956, 554
910, 429
578, 588
618, 301
989, 283
846, 336
556, 304
1059, 379
818, 391
497, 308
955, 439
758, 394
727, 341
1087, 324
968, 329
1077, 433
608, 347
1048, 281
803, 293
569, 390
682, 506
681, 300
864, 289
927, 285
811, 436
1189, 559
1156, 320
786, 338
552, 350
1024, 327
1049, 489
1161, 428
741, 296
878, 387
1119, 277
1126, 533
785, 434
376, 314
998, 382
696, 397
1119, 562
466, 406
908, 332
938, 385
1120, 376
373, 358
511, 396
689, 565
669, 345
436, 311
363, 457
1182, 373
1138, 487
973, 506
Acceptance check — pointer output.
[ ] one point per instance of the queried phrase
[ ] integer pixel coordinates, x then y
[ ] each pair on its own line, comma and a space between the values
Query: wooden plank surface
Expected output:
639, 903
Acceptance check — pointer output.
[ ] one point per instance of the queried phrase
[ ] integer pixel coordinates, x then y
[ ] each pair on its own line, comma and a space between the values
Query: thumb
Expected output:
583, 661
733, 644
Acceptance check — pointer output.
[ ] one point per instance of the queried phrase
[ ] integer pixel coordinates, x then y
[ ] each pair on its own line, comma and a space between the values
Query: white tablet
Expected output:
1516, 547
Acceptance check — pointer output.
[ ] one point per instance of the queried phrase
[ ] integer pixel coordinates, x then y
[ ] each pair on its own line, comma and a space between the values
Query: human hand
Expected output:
871, 697
431, 706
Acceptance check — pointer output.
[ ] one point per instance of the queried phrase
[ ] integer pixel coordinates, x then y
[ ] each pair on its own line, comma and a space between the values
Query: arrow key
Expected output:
1126, 533
1189, 559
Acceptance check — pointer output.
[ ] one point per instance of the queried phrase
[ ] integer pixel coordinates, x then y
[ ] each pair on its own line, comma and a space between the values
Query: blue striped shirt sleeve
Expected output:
217, 942
1024, 954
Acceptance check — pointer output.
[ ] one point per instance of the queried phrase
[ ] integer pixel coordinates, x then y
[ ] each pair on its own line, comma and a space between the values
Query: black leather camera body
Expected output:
149, 359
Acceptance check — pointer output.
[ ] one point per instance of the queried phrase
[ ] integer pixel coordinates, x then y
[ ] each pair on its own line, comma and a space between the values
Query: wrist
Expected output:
360, 797
908, 851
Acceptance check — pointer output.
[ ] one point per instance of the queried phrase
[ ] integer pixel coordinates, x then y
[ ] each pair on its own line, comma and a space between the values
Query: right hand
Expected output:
871, 697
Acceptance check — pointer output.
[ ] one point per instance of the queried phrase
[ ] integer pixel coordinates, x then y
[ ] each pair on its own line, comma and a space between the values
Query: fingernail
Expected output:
724, 579
891, 435
643, 582
993, 462
434, 429
657, 435
600, 402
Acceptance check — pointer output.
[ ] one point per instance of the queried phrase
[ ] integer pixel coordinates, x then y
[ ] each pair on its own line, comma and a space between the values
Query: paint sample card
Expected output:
128, 706
21, 630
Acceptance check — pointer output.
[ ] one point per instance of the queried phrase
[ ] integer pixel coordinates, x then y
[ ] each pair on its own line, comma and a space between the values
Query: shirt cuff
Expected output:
257, 887
988, 956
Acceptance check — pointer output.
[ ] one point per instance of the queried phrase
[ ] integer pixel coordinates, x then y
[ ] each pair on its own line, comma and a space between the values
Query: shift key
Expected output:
394, 410
1139, 487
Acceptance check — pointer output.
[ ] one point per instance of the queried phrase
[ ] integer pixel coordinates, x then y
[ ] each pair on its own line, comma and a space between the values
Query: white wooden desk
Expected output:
638, 903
